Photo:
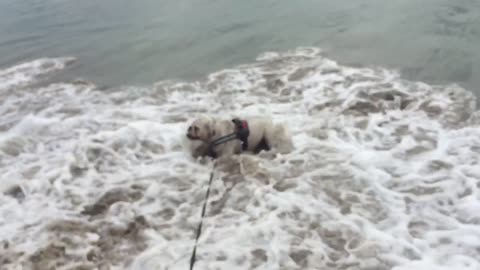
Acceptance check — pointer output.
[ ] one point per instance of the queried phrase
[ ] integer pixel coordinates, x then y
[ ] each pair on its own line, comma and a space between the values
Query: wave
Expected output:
29, 72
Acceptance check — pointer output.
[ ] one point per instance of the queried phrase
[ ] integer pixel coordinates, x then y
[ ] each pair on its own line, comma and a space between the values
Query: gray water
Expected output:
121, 42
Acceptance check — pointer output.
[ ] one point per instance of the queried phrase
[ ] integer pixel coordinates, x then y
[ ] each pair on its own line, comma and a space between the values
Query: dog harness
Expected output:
241, 133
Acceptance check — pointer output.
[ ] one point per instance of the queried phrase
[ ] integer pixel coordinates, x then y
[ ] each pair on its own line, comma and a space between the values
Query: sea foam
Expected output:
384, 174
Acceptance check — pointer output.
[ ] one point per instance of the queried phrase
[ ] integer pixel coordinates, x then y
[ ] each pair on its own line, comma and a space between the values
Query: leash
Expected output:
224, 139
211, 152
241, 133
199, 228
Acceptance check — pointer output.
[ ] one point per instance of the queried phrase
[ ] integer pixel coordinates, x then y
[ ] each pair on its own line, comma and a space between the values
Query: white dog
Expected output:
254, 134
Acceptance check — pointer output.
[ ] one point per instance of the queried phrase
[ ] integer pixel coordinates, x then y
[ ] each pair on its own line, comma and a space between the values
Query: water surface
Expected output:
125, 42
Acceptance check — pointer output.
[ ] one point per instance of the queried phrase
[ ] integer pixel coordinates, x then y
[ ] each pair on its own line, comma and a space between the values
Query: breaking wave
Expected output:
384, 174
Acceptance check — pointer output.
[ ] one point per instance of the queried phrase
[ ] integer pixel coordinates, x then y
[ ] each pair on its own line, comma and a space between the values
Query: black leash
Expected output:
224, 139
211, 147
199, 229
241, 133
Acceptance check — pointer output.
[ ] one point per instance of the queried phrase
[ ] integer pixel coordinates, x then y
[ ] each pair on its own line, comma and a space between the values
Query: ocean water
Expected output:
94, 173
120, 42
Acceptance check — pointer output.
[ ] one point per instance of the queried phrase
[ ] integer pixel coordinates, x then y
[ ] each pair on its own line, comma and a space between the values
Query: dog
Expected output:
261, 135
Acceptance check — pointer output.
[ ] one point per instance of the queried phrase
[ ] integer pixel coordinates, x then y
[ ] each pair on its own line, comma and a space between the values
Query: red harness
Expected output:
242, 131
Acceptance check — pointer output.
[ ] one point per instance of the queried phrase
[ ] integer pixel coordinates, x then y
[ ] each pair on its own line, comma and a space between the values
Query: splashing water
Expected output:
384, 174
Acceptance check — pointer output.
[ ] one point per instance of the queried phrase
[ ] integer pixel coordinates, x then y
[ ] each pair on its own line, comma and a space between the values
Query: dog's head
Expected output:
201, 129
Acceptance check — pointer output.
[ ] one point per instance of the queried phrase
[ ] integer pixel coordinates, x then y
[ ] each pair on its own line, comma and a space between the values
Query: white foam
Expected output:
384, 172
28, 72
